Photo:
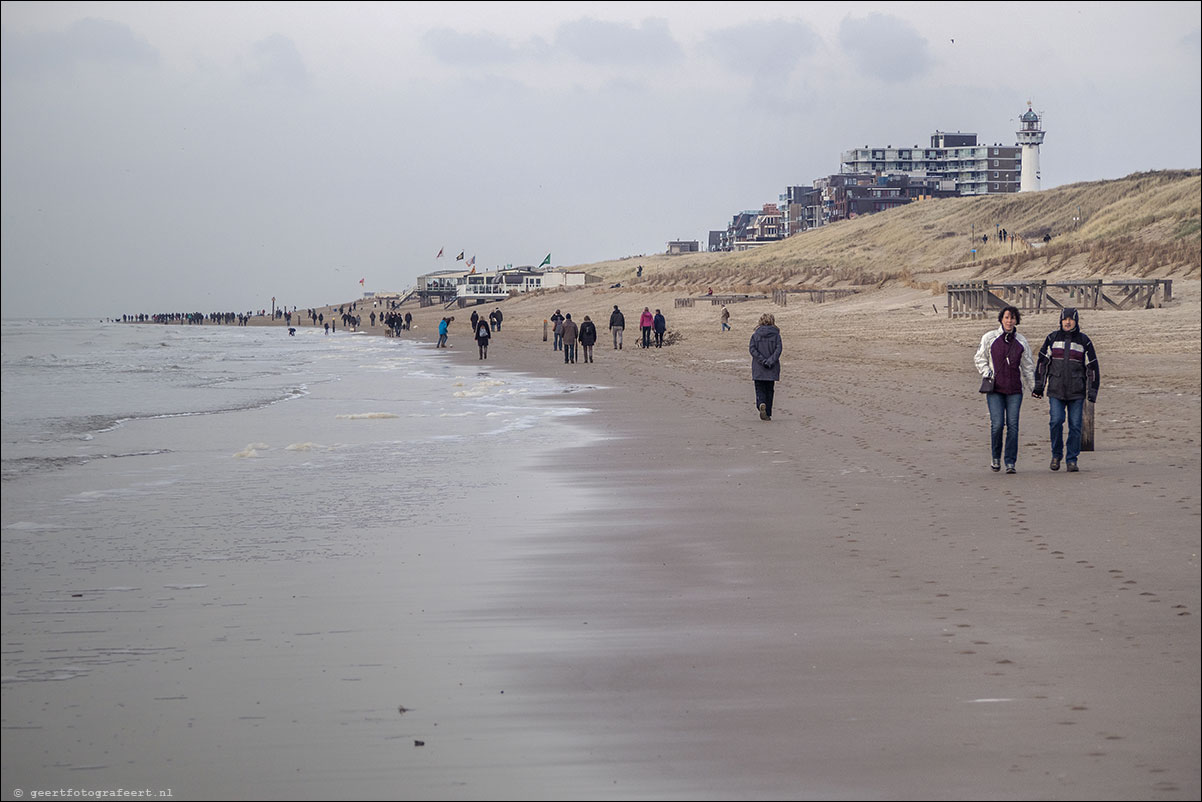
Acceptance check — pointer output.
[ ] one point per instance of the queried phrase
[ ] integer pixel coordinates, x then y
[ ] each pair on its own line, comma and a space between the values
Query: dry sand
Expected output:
845, 602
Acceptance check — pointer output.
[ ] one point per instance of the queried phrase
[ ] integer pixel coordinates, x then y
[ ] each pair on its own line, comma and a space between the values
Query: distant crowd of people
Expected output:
1065, 368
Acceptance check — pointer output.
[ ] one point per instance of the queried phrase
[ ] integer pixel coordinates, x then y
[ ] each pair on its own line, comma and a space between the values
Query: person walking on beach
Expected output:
1004, 357
765, 348
660, 325
444, 326
497, 318
1068, 370
617, 323
557, 330
475, 320
588, 337
483, 334
408, 320
645, 321
569, 336
725, 316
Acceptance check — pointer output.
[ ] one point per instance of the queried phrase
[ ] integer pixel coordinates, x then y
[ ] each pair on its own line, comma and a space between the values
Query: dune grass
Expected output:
1144, 225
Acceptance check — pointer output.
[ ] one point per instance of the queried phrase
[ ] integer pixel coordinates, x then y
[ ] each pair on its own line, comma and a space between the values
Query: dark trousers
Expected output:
764, 390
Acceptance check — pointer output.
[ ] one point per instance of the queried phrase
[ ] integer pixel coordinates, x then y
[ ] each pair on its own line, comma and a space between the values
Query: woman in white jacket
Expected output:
1005, 356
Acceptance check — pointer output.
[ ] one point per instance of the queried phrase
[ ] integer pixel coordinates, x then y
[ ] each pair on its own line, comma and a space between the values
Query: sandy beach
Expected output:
844, 602
841, 603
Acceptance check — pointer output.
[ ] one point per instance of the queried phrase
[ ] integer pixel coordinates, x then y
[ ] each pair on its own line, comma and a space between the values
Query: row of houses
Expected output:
875, 179
469, 287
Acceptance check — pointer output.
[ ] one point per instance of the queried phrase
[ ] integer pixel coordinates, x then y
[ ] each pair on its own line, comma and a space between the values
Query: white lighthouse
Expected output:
1030, 137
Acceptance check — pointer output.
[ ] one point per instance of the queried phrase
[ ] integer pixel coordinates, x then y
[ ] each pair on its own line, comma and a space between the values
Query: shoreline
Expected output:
845, 602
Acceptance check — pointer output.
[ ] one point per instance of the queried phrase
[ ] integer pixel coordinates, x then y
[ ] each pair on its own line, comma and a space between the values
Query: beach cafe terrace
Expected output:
469, 288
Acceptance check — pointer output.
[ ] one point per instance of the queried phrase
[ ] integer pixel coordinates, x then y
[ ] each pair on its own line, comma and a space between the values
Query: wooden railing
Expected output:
977, 298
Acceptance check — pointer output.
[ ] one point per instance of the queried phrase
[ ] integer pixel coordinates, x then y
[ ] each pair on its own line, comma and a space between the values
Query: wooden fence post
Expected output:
1087, 426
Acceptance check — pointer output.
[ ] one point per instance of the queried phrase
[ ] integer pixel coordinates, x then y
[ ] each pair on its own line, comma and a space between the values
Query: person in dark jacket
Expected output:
483, 335
617, 323
1068, 370
557, 330
660, 324
588, 338
765, 351
569, 333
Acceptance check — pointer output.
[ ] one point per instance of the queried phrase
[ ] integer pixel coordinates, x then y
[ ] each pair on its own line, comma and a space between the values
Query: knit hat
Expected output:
1070, 312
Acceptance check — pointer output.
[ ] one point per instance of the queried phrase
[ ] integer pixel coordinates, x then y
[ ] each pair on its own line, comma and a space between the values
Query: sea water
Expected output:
232, 557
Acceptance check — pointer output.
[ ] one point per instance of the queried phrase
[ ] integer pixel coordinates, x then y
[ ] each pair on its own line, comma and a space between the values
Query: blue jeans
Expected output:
1075, 410
1003, 413
558, 344
569, 353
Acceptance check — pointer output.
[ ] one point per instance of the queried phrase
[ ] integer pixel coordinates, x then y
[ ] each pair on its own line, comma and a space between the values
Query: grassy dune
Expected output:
1146, 224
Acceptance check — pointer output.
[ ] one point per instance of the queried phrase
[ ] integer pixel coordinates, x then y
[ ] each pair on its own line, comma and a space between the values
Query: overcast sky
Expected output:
174, 156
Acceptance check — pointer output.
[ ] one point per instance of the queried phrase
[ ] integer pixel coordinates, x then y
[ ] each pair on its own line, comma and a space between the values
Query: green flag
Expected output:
546, 261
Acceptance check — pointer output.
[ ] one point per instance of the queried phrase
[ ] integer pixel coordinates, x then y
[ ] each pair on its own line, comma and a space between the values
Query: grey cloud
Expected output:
1192, 42
276, 61
87, 41
760, 48
598, 42
885, 47
453, 47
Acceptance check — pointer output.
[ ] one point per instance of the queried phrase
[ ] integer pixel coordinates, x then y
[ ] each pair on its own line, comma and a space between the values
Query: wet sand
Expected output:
845, 602
842, 603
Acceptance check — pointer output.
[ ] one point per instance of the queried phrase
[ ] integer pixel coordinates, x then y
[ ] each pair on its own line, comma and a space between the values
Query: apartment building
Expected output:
975, 169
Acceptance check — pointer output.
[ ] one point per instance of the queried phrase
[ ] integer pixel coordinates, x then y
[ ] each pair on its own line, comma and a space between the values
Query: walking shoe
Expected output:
763, 412
1071, 467
996, 465
1055, 464
1010, 469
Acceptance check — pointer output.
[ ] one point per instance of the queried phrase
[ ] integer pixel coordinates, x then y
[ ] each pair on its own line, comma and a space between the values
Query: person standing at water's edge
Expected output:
444, 326
1005, 357
483, 333
1068, 368
765, 348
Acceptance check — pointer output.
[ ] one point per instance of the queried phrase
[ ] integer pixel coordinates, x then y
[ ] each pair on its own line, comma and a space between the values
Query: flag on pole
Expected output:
459, 258
546, 261
472, 262
439, 254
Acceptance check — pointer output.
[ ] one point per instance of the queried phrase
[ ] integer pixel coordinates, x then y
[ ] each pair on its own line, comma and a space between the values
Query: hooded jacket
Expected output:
765, 348
1068, 365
